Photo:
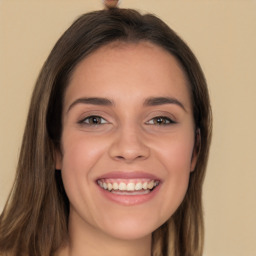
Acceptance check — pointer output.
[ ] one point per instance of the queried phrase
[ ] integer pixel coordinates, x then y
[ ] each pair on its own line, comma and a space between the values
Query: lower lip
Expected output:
130, 200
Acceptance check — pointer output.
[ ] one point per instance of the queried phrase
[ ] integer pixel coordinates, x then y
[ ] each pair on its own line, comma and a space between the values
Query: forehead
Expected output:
128, 68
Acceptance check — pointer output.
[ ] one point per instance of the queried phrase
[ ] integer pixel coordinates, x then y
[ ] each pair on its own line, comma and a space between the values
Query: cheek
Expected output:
175, 155
79, 156
80, 151
176, 151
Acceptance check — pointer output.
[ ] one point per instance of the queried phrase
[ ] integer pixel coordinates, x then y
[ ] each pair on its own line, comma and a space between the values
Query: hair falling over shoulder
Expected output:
35, 219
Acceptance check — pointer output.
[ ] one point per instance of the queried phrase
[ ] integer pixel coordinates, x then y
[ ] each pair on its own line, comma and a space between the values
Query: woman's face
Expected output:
127, 142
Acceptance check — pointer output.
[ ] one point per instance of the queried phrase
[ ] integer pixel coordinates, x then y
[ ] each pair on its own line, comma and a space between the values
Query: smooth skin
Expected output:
141, 121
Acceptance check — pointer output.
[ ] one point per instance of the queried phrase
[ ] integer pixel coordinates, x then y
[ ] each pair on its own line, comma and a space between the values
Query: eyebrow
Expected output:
92, 101
156, 101
152, 101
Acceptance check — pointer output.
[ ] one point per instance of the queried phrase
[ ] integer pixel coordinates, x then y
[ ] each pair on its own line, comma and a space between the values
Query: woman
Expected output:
115, 146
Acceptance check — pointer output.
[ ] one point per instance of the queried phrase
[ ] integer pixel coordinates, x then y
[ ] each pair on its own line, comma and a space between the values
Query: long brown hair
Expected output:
34, 220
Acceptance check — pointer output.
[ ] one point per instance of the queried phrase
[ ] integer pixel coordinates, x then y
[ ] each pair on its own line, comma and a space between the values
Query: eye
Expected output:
160, 120
93, 120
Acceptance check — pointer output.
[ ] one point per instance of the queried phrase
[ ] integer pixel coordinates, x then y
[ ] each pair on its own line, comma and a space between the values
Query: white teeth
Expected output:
131, 187
115, 186
110, 186
145, 185
122, 186
138, 186
151, 184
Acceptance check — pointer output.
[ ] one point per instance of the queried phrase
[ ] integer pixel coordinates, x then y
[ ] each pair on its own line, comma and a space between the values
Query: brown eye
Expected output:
160, 120
93, 120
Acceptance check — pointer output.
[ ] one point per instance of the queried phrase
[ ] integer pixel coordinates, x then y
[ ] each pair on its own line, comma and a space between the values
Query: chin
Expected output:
131, 227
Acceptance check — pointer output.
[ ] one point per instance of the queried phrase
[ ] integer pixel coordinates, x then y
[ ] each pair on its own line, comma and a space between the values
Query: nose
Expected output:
129, 145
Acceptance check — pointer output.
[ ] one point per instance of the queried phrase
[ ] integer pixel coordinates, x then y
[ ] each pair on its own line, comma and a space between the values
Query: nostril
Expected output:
129, 146
120, 157
129, 158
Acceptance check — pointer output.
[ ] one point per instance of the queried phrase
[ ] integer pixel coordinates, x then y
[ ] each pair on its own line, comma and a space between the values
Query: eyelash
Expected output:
92, 120
160, 120
98, 120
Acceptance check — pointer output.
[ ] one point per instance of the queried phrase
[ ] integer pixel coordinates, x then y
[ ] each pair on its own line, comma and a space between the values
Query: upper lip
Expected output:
128, 175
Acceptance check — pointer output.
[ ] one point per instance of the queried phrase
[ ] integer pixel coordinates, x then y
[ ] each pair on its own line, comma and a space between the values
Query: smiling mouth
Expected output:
128, 187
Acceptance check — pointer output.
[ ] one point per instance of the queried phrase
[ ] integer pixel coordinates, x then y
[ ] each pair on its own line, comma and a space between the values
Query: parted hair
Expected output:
35, 218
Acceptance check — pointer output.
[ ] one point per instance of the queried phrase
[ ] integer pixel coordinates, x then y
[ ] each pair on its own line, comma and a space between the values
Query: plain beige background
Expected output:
223, 36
